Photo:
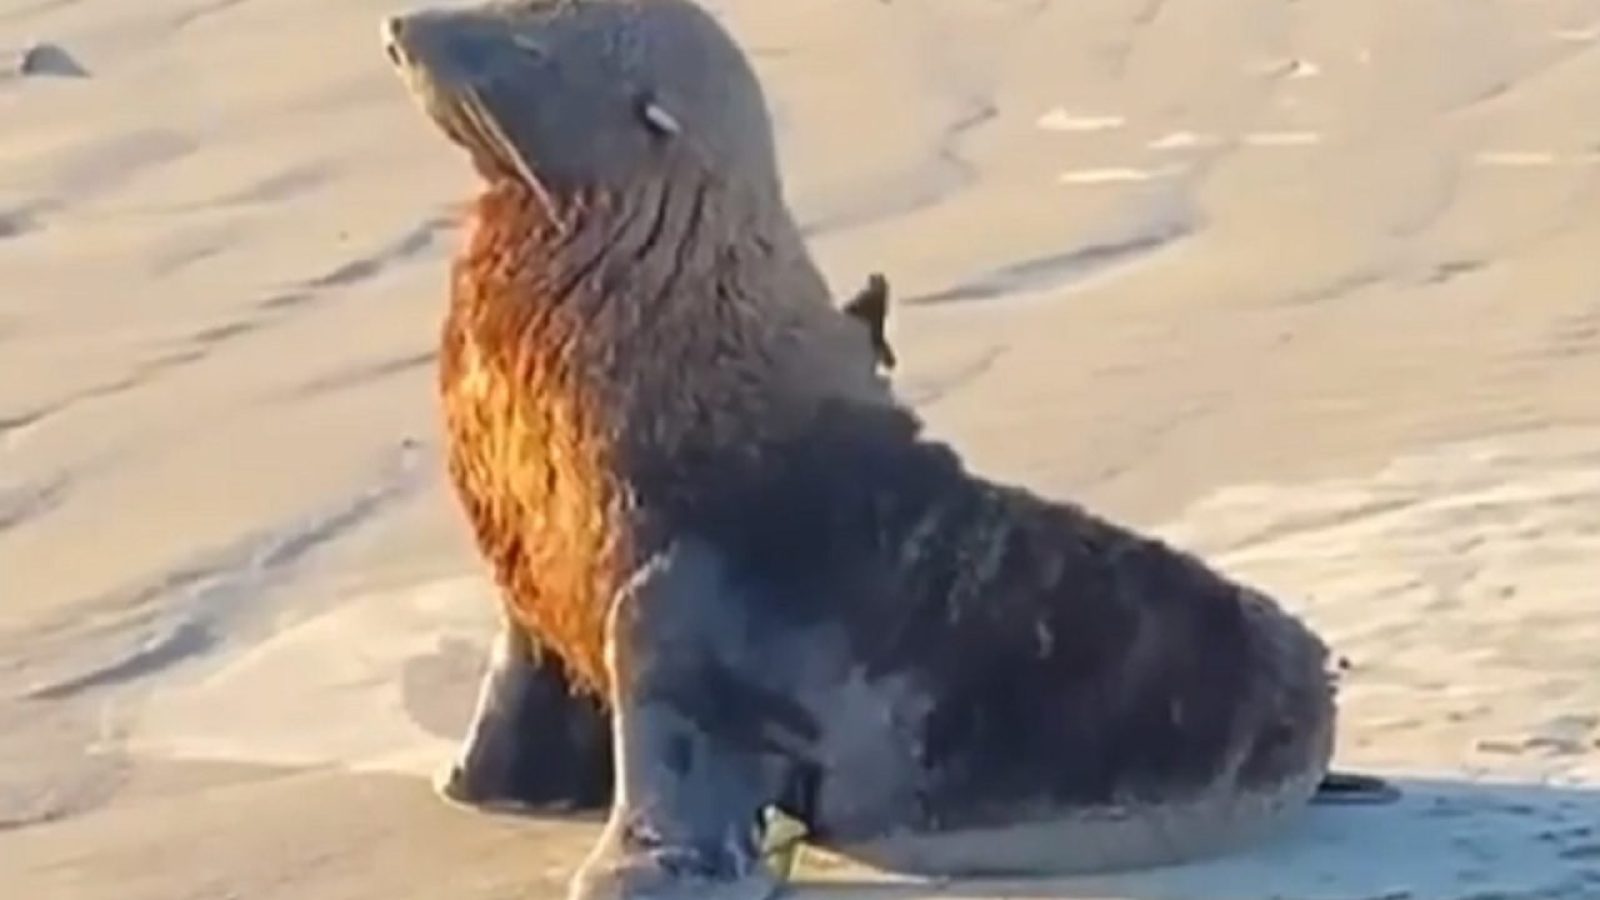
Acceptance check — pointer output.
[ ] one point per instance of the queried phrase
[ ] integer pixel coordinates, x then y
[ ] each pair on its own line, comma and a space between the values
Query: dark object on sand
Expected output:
50, 59
871, 306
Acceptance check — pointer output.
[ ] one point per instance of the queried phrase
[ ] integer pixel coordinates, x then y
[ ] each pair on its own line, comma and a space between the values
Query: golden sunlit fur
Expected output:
528, 459
637, 328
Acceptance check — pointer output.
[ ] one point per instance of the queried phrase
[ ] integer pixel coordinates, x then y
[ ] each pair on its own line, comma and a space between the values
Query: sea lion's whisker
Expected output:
472, 105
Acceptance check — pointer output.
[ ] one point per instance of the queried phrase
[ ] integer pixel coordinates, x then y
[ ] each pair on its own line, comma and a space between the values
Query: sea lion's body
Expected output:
712, 520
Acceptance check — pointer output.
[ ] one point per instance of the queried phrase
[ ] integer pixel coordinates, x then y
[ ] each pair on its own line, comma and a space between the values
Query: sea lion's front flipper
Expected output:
1352, 789
694, 774
533, 742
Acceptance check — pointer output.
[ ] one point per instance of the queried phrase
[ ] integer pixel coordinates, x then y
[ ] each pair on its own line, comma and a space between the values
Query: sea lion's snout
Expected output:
406, 40
392, 30
429, 44
459, 68
453, 51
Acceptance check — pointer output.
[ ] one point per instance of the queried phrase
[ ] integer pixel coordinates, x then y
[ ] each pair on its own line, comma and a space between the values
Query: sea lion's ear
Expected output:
656, 117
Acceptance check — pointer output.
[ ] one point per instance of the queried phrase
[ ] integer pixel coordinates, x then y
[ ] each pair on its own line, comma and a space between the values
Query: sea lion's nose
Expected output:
393, 29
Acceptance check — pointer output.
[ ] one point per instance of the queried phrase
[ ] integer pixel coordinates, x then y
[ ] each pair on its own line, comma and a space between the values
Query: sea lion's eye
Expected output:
655, 116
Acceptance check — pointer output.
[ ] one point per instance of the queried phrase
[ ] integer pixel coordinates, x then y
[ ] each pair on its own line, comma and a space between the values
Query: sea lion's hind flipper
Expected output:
870, 305
533, 743
1352, 789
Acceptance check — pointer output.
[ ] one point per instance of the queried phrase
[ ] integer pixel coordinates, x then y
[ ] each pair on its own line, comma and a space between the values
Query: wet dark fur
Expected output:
1041, 627
1072, 662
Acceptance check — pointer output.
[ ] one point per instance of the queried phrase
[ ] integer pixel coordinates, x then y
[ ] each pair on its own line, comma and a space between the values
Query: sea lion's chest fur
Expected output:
528, 456
632, 359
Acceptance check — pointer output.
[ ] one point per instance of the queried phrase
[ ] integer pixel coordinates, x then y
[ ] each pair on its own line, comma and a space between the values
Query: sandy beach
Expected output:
1307, 287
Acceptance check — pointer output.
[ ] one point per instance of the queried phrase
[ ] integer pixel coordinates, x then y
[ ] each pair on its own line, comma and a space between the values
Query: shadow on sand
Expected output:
1444, 840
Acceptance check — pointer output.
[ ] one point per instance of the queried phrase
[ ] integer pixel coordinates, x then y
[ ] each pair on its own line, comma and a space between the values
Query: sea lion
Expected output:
709, 514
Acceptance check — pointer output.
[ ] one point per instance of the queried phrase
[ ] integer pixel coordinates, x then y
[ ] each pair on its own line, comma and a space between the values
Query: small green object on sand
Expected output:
780, 848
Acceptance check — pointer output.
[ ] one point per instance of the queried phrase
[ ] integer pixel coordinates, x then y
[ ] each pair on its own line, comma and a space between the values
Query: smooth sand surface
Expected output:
1310, 287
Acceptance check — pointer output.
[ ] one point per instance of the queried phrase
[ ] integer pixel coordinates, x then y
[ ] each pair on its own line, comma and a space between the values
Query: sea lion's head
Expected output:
569, 95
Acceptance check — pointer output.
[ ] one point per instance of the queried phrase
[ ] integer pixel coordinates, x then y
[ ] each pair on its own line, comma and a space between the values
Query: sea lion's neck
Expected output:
685, 316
